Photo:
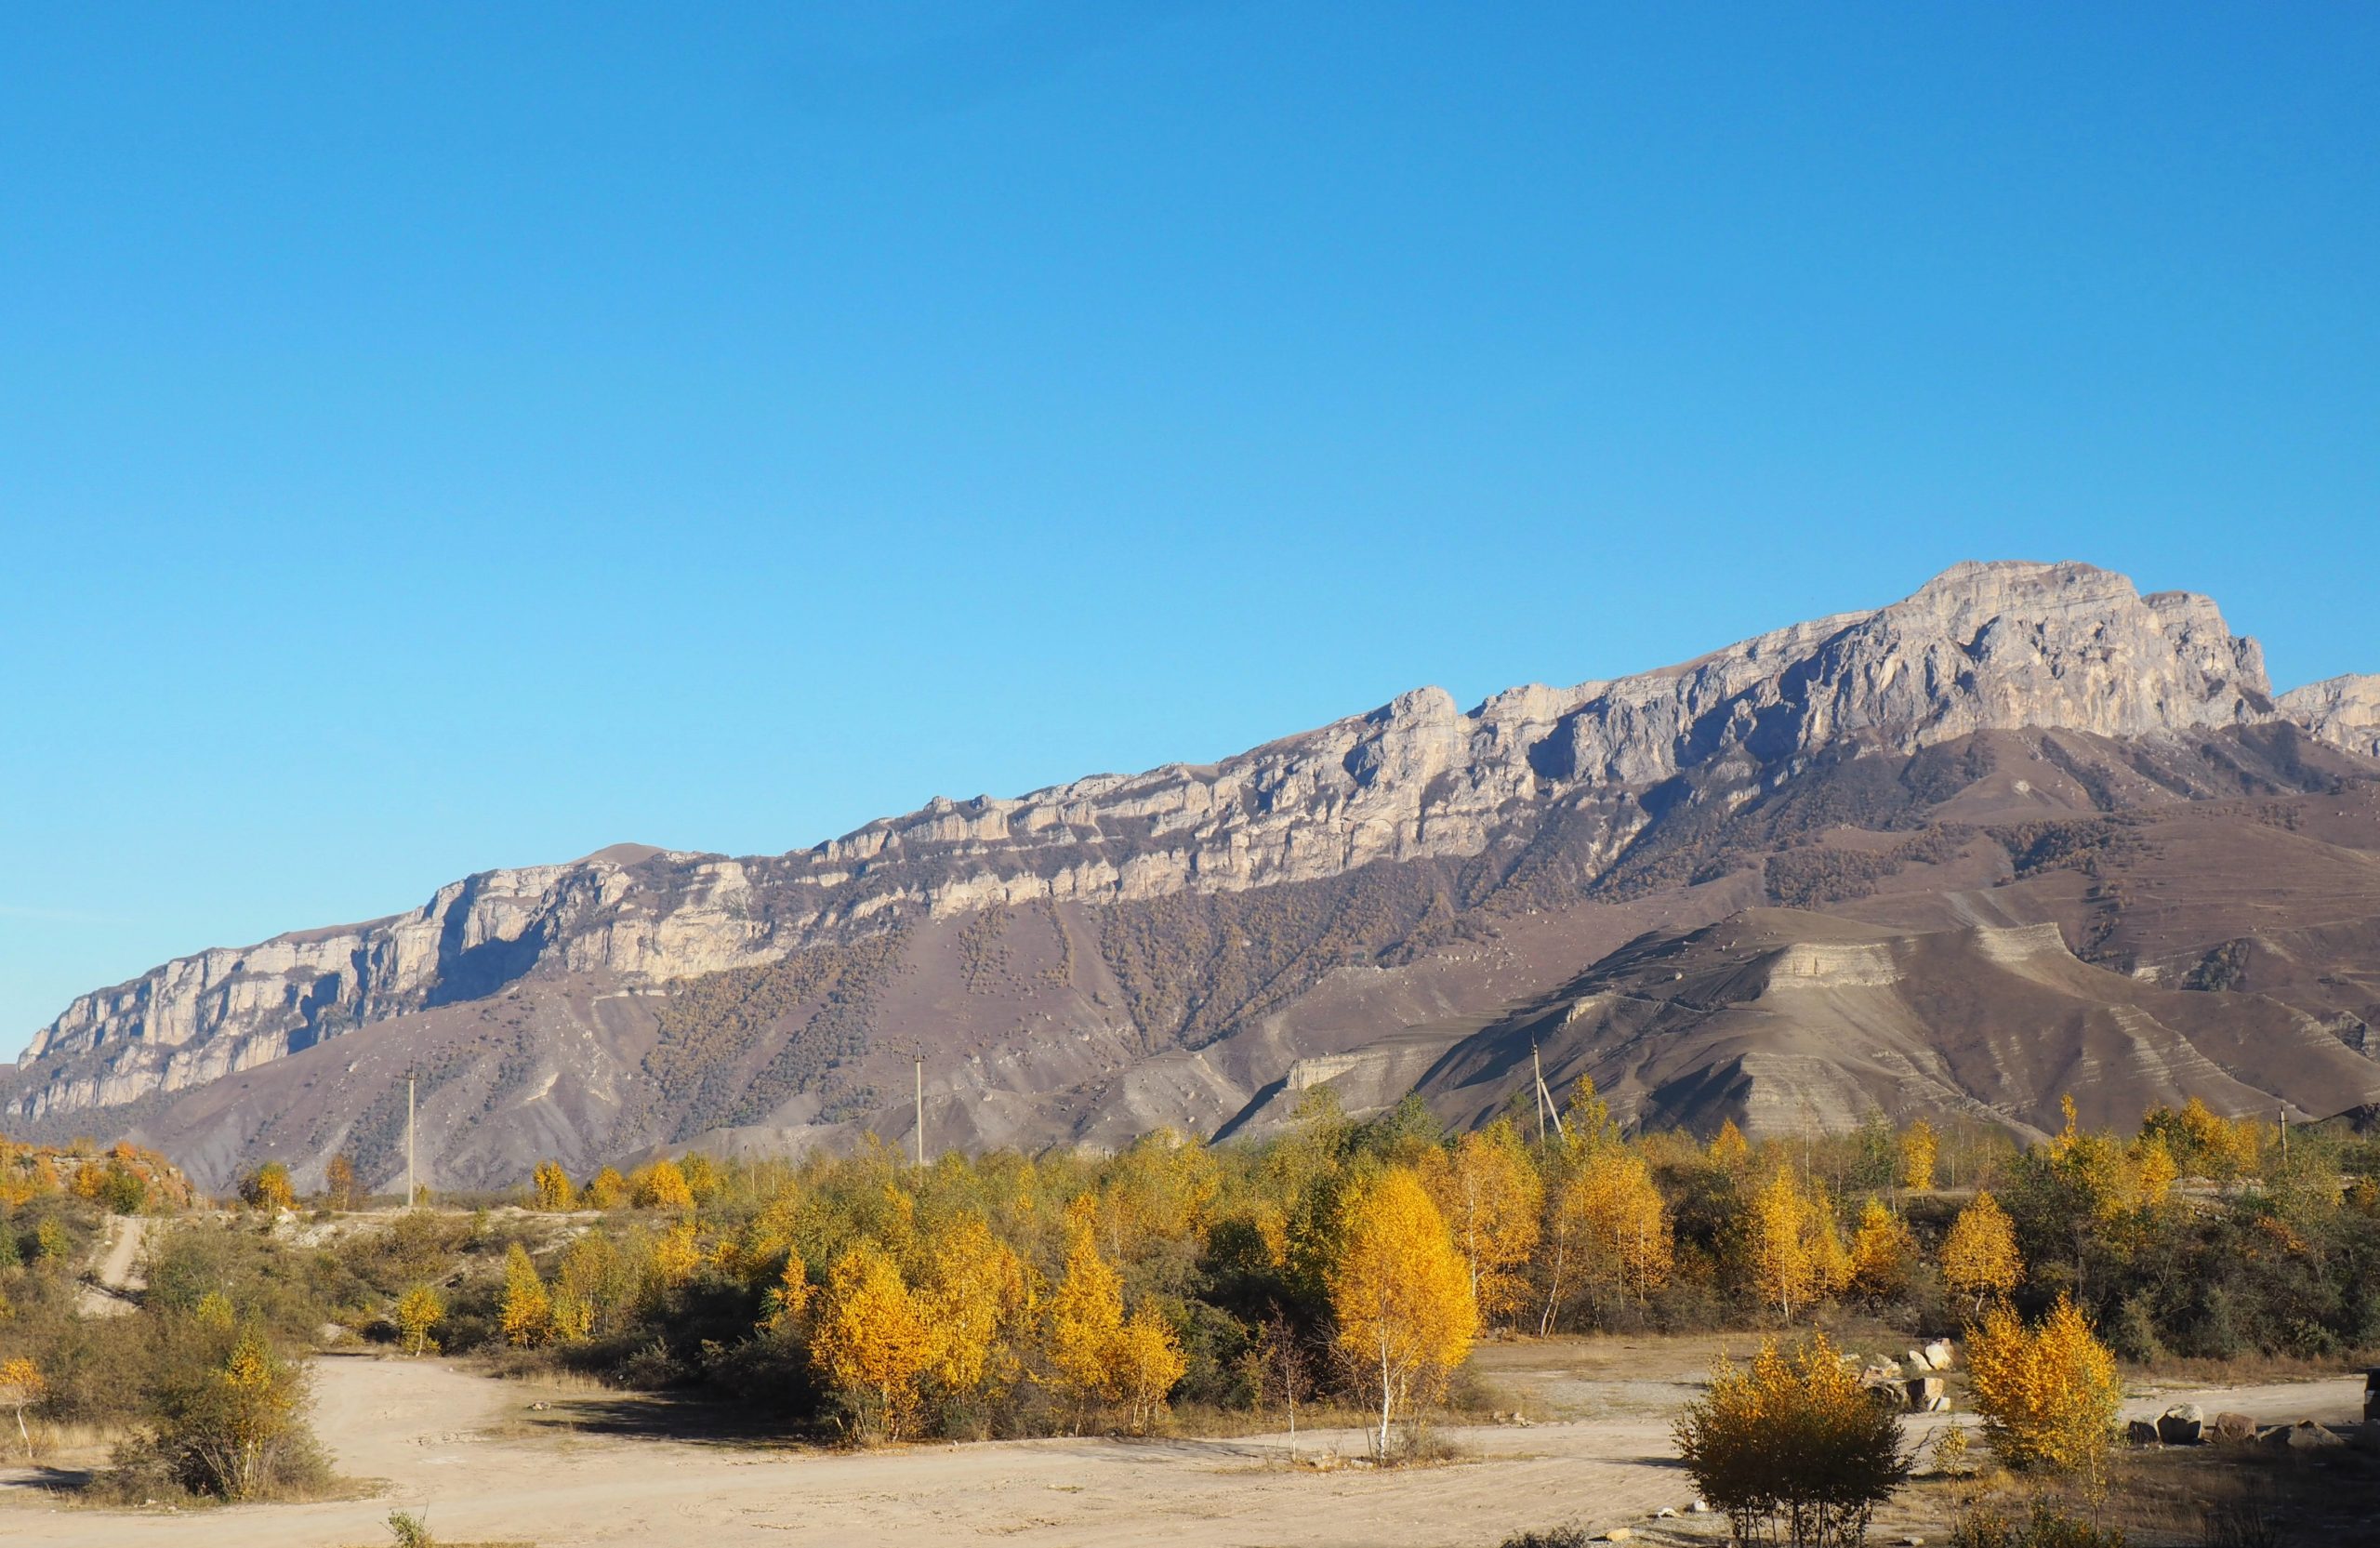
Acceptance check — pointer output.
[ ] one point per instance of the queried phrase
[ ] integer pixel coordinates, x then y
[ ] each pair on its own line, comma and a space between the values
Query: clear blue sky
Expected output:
438, 438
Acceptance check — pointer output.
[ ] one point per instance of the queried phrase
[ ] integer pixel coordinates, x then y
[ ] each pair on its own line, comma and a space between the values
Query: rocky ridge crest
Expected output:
1999, 645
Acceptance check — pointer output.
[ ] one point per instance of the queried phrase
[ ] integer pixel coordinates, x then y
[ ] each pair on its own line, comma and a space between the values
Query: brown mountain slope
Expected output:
2013, 746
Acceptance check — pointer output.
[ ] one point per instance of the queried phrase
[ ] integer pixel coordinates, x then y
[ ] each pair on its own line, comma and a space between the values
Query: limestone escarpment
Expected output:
2344, 711
1983, 647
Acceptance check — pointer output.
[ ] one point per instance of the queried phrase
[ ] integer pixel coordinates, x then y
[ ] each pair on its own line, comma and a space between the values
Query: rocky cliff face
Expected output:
2344, 711
1982, 647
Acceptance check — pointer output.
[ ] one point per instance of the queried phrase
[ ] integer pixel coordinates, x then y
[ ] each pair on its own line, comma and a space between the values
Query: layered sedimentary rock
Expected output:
1604, 777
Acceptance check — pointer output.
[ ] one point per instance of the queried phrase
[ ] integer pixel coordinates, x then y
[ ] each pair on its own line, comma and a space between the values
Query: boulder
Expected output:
1881, 1370
2183, 1425
1940, 1404
1940, 1353
1922, 1391
1915, 1360
2234, 1428
2140, 1433
2307, 1436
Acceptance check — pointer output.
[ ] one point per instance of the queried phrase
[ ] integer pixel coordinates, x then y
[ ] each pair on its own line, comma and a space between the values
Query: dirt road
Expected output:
470, 1455
115, 1265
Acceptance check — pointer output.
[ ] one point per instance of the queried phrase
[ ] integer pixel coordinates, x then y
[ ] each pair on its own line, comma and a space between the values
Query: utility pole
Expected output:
922, 1112
1545, 1104
409, 1192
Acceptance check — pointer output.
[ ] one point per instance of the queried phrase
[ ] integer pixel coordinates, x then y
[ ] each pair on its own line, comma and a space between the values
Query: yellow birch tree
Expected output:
872, 1341
1490, 1197
1980, 1256
527, 1313
1401, 1295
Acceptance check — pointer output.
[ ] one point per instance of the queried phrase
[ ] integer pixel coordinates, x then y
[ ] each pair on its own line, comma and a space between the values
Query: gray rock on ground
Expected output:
2140, 1432
2233, 1428
2183, 1425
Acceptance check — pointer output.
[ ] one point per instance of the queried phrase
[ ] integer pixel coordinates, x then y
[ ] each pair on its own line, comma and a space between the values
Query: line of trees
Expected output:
1001, 1294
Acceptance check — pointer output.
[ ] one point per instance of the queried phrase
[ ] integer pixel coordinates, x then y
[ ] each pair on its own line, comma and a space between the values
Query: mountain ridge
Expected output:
1617, 768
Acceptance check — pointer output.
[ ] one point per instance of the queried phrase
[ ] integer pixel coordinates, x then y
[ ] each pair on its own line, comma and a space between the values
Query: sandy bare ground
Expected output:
469, 1454
115, 1265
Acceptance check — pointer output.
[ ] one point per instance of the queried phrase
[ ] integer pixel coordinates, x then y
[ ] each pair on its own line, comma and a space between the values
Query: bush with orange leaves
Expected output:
1792, 1447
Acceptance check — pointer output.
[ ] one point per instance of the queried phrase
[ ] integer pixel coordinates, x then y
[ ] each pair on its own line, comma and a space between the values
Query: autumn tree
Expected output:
785, 1301
526, 1314
1728, 1148
1882, 1252
2205, 1144
1919, 1146
1148, 1364
872, 1341
22, 1388
1796, 1253
1086, 1314
1791, 1441
553, 1183
606, 1190
2048, 1394
339, 1189
1622, 1223
420, 1310
1401, 1295
1491, 1198
975, 1283
267, 1188
662, 1186
1980, 1256
2154, 1171
233, 1426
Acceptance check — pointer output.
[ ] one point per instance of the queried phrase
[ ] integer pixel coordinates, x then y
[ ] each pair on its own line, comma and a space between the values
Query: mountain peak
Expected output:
1998, 647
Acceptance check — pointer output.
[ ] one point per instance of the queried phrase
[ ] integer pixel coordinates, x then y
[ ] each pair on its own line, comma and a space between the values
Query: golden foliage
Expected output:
418, 1310
1491, 1197
1793, 1441
1797, 1255
266, 1188
527, 1312
606, 1190
1919, 1147
1148, 1363
872, 1341
21, 1386
1622, 1223
1882, 1252
2048, 1394
1086, 1314
553, 1185
340, 1188
2154, 1171
974, 1284
1728, 1147
782, 1308
661, 1186
2219, 1149
1401, 1295
1980, 1256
